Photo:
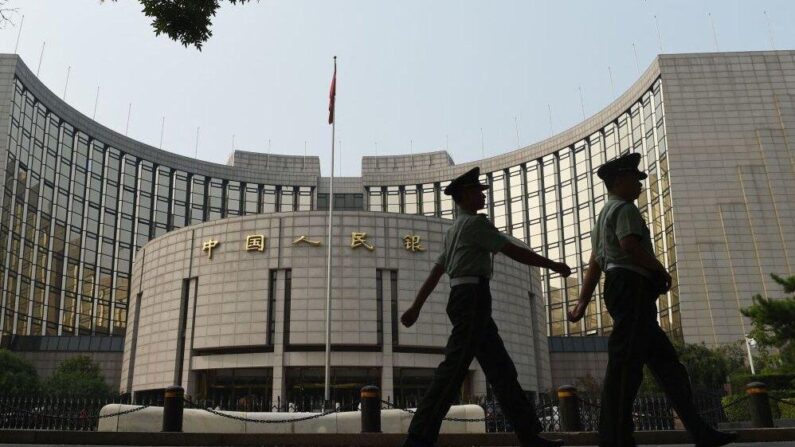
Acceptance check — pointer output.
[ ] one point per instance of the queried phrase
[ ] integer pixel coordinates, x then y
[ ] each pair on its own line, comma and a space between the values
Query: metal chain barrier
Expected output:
723, 408
264, 421
743, 399
390, 404
781, 401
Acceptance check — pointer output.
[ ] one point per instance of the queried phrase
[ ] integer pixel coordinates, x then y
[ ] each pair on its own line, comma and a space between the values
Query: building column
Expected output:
278, 394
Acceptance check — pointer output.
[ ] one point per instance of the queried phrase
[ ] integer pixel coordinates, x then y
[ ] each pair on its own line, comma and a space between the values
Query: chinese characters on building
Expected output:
412, 242
359, 239
257, 242
208, 246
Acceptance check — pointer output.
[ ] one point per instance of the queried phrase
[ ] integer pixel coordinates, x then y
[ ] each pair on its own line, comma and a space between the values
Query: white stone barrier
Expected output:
201, 421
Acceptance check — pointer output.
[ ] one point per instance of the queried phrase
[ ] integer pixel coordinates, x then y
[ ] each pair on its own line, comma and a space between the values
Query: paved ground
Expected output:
742, 444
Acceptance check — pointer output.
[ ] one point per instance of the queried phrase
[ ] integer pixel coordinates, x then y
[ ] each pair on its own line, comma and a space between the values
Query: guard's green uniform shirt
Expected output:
614, 223
468, 245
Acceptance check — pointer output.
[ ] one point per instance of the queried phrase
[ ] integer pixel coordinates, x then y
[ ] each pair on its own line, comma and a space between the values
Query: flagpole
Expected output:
333, 119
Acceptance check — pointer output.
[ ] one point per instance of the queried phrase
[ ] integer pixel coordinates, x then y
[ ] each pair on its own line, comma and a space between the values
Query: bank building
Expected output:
167, 269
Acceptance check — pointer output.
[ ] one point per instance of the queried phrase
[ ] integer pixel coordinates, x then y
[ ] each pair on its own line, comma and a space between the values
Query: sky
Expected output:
475, 78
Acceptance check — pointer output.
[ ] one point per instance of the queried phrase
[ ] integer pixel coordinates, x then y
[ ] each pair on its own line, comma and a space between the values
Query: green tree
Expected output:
77, 376
185, 21
773, 322
17, 375
708, 367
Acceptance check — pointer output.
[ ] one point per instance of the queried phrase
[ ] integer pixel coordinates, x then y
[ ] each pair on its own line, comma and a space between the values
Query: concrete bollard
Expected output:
371, 409
759, 405
172, 409
569, 409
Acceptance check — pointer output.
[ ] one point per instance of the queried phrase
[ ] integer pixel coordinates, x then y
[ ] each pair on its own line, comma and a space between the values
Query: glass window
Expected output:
233, 193
499, 205
304, 198
179, 209
410, 199
269, 199
446, 203
252, 199
428, 200
375, 198
392, 199
287, 199
216, 196
197, 199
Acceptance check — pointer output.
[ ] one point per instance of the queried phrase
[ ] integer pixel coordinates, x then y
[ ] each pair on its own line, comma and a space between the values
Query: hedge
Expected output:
773, 381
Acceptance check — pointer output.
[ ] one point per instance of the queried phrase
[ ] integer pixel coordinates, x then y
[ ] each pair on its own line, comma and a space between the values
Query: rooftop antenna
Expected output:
714, 33
268, 157
162, 129
447, 142
41, 57
127, 128
635, 52
482, 144
769, 31
340, 170
551, 129
659, 36
66, 84
303, 161
233, 142
411, 149
196, 149
96, 102
612, 85
21, 22
582, 103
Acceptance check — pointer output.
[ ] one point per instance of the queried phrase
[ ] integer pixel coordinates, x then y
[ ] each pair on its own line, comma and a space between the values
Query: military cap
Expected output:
469, 178
622, 164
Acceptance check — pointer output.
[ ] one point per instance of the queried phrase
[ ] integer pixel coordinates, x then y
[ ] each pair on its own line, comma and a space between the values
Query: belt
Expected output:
637, 269
468, 280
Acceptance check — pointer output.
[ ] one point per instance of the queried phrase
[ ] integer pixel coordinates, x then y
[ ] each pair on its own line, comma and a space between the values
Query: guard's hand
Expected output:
410, 316
562, 268
578, 312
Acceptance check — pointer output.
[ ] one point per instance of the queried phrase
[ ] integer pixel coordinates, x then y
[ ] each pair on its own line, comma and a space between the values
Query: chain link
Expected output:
263, 421
723, 408
781, 401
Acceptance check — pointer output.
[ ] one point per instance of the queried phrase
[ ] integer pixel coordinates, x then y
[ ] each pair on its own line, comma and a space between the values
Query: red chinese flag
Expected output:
332, 94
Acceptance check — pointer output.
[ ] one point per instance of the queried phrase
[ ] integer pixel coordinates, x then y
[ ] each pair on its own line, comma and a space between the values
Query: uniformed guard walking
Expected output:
634, 278
466, 258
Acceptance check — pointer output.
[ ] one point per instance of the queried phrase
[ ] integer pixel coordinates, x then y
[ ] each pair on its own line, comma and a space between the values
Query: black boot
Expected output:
715, 438
538, 441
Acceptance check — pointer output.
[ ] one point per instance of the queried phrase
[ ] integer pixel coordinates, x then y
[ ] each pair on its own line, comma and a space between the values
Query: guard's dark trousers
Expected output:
474, 336
636, 340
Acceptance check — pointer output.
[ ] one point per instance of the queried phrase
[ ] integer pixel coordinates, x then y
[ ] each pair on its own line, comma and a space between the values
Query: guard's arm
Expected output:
528, 257
413, 312
631, 245
589, 283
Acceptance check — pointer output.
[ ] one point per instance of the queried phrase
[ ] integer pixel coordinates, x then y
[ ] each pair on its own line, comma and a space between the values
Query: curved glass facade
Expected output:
75, 211
76, 208
552, 202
